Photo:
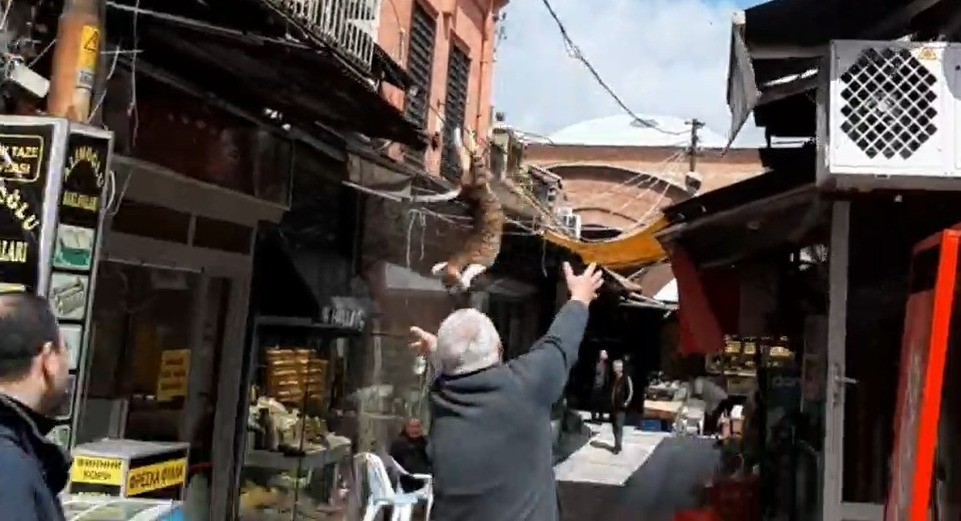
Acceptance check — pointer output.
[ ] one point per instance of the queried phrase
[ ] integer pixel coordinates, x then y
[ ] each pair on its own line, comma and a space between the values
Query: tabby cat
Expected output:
483, 242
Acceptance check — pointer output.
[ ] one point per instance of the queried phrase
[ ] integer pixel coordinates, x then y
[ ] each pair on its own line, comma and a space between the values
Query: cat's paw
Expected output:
470, 272
438, 268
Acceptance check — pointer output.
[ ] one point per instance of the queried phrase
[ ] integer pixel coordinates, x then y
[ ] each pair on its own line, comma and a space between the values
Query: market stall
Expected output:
297, 442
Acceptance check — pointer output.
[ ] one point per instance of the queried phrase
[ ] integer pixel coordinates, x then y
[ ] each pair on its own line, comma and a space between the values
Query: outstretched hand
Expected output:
584, 287
424, 343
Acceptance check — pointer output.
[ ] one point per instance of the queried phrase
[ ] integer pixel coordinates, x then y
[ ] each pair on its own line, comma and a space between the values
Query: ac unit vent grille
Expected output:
888, 103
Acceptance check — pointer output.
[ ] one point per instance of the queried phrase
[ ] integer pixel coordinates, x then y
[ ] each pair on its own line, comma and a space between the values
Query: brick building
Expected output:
447, 48
615, 173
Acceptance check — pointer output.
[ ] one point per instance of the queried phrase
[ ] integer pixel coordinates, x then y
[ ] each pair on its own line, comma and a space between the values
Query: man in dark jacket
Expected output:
490, 439
622, 391
409, 450
599, 387
34, 376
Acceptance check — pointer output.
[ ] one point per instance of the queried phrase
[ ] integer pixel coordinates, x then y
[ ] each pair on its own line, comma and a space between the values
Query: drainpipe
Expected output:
486, 39
75, 59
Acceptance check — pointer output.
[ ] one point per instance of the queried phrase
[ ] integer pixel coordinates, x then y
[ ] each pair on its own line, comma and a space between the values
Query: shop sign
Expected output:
344, 313
97, 471
156, 477
24, 164
172, 379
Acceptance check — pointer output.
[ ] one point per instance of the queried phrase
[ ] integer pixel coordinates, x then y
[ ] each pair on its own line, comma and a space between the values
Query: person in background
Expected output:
34, 382
716, 401
599, 387
622, 391
490, 441
409, 450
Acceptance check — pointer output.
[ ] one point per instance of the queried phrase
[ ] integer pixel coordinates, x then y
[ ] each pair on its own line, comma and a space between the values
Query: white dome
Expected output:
623, 130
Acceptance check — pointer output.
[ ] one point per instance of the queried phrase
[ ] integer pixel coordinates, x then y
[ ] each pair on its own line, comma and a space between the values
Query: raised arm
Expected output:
545, 369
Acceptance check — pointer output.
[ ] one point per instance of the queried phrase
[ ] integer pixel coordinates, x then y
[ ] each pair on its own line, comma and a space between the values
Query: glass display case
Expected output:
297, 439
103, 508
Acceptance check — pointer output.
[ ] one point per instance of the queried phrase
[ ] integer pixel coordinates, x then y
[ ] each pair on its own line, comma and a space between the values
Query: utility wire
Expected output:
577, 54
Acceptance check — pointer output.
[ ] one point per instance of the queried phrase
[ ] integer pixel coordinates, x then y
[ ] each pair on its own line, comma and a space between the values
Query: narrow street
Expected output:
655, 475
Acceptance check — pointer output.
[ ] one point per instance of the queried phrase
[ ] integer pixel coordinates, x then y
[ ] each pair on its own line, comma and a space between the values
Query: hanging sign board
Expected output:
53, 175
27, 169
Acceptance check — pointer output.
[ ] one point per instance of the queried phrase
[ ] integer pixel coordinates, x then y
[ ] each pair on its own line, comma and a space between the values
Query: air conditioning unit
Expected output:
572, 222
888, 116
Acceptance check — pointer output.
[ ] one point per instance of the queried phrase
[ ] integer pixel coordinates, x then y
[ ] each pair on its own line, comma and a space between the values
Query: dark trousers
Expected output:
617, 425
710, 421
599, 400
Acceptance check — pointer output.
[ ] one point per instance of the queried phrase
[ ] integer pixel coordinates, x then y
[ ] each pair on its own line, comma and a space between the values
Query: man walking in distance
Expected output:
599, 389
34, 376
622, 390
490, 439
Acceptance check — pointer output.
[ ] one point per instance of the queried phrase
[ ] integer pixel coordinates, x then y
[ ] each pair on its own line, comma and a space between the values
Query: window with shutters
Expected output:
455, 108
420, 62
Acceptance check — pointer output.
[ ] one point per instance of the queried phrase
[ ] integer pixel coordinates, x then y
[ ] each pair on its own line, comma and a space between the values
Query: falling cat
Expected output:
487, 222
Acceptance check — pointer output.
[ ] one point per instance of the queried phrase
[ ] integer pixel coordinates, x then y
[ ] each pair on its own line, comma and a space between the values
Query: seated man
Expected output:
409, 450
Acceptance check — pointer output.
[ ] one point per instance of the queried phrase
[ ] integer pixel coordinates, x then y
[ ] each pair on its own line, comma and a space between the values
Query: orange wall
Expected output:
469, 23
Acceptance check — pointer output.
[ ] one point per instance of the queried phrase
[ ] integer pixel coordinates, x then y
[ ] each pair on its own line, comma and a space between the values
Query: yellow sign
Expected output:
155, 477
99, 471
172, 379
89, 48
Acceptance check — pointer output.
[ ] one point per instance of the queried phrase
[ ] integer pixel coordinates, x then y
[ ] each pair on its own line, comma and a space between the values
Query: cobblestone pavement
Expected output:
652, 478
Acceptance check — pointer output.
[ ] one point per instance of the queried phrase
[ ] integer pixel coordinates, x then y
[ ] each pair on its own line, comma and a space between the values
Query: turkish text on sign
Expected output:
156, 477
99, 471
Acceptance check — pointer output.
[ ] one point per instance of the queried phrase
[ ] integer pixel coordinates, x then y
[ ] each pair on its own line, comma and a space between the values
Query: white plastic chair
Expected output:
382, 493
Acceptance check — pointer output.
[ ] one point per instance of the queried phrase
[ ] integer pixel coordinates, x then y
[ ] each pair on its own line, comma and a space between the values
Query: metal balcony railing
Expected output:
349, 25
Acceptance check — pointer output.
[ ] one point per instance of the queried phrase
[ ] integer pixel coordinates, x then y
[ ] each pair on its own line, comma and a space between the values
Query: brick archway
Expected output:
614, 197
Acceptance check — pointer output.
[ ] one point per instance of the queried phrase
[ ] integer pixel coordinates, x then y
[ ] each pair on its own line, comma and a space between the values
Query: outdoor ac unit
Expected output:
887, 116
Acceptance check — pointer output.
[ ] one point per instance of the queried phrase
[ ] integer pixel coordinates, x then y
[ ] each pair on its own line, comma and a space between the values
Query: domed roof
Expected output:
623, 130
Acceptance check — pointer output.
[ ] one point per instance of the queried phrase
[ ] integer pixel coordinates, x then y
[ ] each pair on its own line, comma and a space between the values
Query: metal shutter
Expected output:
455, 109
420, 62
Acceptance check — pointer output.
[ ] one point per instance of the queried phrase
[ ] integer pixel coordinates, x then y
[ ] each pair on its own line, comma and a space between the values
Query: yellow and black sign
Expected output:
174, 371
24, 161
104, 471
158, 476
90, 475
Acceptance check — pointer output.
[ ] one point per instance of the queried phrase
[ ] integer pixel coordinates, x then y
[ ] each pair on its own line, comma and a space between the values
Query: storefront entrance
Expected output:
853, 488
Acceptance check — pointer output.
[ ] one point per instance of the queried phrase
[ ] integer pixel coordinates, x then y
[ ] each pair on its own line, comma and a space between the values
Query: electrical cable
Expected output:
576, 53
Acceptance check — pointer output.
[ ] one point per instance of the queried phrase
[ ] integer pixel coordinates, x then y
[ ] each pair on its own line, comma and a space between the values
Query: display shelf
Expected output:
266, 459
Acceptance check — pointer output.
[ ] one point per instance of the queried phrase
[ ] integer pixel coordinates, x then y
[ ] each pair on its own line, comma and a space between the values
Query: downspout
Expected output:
79, 40
486, 38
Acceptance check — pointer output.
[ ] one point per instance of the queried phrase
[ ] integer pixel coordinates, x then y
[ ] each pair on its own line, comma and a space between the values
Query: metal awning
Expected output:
777, 48
250, 67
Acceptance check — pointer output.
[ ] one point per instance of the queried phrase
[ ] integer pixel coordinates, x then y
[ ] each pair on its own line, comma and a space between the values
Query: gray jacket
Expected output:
490, 439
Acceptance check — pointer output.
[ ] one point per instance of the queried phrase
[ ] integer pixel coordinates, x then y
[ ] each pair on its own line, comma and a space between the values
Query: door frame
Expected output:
237, 269
833, 506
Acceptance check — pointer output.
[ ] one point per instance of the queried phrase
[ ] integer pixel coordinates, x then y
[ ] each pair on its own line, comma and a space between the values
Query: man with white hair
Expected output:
490, 439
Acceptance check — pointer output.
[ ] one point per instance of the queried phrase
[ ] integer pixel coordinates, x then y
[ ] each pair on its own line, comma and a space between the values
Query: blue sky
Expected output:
663, 57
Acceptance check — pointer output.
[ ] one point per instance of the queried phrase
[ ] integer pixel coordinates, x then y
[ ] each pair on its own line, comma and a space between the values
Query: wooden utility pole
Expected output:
692, 151
75, 59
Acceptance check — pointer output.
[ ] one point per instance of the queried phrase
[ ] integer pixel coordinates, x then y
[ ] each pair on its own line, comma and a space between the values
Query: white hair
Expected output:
467, 341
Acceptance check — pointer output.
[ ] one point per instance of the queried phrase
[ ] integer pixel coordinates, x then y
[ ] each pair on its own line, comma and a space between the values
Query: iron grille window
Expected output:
420, 62
455, 108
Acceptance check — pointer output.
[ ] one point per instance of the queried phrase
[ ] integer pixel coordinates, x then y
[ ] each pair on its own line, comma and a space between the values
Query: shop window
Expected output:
153, 367
302, 423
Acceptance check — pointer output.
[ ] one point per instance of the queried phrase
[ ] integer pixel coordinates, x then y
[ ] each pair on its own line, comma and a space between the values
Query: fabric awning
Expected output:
635, 250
